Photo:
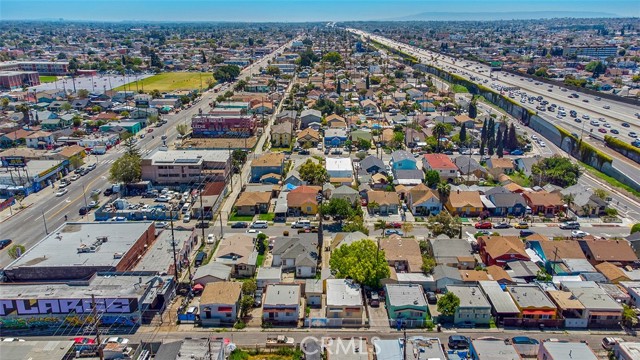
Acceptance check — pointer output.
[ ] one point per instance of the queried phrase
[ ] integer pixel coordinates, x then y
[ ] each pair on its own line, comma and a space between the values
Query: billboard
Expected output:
10, 307
223, 126
14, 161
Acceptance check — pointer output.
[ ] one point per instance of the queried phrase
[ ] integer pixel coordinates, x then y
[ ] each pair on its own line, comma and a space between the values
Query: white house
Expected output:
339, 167
296, 253
40, 140
281, 304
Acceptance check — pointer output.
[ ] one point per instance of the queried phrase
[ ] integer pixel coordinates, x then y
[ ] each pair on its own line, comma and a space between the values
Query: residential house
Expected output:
472, 277
252, 203
565, 350
465, 120
499, 250
600, 309
336, 122
308, 138
408, 177
373, 165
474, 307
281, 134
402, 160
499, 274
505, 202
628, 350
296, 253
335, 137
303, 200
346, 193
545, 203
281, 304
402, 254
525, 164
212, 272
585, 202
268, 275
633, 289
40, 140
464, 203
268, 163
309, 116
447, 251
423, 201
340, 170
552, 253
385, 202
313, 290
293, 178
445, 276
613, 273
634, 242
614, 251
522, 271
533, 303
358, 135
287, 115
440, 163
406, 304
470, 166
219, 303
492, 348
238, 251
502, 305
57, 123
344, 238
344, 301
498, 166
369, 106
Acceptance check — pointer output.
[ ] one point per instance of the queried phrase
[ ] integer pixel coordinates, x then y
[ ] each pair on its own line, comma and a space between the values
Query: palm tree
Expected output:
444, 190
438, 131
569, 200
380, 225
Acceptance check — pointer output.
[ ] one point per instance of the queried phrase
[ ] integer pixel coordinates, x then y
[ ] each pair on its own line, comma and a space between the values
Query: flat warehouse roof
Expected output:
79, 244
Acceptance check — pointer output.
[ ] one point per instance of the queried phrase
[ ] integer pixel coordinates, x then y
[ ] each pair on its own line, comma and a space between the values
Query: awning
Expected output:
538, 312
604, 313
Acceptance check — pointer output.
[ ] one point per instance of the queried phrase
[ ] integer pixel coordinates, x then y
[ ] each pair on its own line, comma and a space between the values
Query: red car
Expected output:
602, 130
393, 225
363, 202
84, 343
483, 225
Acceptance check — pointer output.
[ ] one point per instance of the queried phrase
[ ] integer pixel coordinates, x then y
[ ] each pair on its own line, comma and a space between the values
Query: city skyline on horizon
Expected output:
304, 11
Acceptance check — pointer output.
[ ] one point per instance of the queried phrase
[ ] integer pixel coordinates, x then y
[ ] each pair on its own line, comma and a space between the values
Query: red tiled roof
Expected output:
440, 161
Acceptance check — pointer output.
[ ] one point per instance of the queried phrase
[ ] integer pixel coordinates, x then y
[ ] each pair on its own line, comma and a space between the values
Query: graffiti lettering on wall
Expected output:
67, 321
66, 306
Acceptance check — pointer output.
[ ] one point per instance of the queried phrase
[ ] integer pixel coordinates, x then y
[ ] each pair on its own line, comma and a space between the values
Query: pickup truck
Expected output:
280, 341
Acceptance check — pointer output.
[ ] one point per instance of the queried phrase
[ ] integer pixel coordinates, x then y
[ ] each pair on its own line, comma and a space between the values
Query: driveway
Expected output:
378, 318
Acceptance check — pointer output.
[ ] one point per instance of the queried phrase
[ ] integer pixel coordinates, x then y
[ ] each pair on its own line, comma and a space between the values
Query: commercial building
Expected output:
230, 126
565, 350
36, 350
186, 166
18, 79
490, 348
602, 52
123, 303
203, 348
42, 67
76, 251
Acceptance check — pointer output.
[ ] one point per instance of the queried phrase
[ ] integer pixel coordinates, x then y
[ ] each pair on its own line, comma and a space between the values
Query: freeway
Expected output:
27, 227
614, 114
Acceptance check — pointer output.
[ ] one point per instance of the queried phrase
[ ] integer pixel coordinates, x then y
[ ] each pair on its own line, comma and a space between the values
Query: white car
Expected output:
578, 234
186, 218
11, 339
211, 239
75, 177
116, 340
62, 192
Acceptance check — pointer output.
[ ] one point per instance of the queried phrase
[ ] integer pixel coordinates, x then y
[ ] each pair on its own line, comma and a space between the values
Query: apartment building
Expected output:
186, 166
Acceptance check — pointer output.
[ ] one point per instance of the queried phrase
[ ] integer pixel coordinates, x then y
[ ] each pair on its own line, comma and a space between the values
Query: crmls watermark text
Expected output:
312, 345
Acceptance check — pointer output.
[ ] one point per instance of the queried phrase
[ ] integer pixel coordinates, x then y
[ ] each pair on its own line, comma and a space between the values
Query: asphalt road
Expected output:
28, 226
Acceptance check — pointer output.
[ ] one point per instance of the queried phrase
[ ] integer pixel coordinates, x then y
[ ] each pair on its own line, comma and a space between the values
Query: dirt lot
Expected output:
198, 143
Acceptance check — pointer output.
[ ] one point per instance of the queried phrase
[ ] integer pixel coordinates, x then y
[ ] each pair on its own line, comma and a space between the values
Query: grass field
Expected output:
171, 81
47, 79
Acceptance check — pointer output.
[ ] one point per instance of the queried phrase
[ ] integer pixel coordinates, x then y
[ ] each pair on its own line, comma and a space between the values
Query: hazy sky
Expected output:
289, 10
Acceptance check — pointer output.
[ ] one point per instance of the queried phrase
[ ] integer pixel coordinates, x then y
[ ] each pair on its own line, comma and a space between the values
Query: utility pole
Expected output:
200, 196
173, 243
45, 223
94, 313
231, 172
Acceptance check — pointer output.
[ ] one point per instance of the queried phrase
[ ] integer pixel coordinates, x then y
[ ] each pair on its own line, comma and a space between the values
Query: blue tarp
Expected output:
290, 187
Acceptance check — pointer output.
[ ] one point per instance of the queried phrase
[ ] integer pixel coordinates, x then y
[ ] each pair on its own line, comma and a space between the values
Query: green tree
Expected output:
261, 243
226, 73
77, 120
443, 223
340, 208
596, 67
556, 170
249, 287
635, 228
463, 134
83, 93
16, 251
246, 303
155, 93
473, 110
355, 223
181, 129
512, 138
332, 57
66, 106
126, 169
273, 70
363, 144
4, 102
444, 189
428, 263
439, 130
313, 173
500, 144
238, 158
361, 261
407, 227
448, 303
240, 85
601, 193
432, 178
629, 317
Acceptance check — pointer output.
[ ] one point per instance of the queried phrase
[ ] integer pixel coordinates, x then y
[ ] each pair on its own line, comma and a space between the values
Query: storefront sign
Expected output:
13, 161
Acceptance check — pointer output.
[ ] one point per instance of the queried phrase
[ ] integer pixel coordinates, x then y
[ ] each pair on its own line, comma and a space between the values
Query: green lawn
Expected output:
520, 179
235, 217
171, 81
267, 217
47, 79
260, 260
460, 89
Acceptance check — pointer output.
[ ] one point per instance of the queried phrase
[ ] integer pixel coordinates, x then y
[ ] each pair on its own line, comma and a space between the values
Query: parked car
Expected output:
522, 225
458, 342
62, 192
161, 224
91, 166
239, 225
211, 239
483, 225
5, 242
84, 210
388, 232
95, 192
578, 234
304, 152
374, 300
609, 342
570, 225
108, 192
431, 298
74, 177
115, 340
502, 225
259, 224
393, 225
525, 233
186, 218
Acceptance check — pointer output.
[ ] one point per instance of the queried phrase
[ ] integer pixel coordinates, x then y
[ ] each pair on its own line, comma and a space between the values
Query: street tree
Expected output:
5, 102
249, 286
332, 57
66, 106
126, 169
16, 251
635, 228
380, 225
443, 223
273, 70
226, 73
261, 243
407, 227
601, 193
448, 303
355, 223
181, 129
246, 303
361, 261
444, 189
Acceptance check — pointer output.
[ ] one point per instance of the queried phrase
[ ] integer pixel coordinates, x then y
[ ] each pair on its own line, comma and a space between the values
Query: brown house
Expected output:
251, 203
613, 273
402, 254
614, 251
542, 202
